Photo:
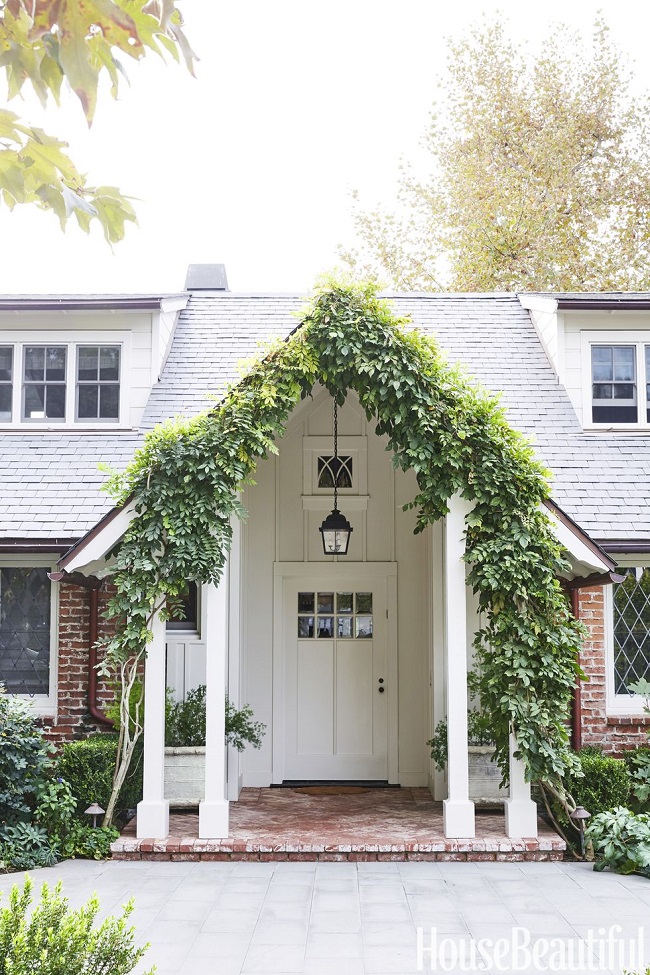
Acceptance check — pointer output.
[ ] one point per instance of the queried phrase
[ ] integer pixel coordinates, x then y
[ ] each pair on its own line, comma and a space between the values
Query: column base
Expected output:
521, 817
153, 819
458, 819
213, 819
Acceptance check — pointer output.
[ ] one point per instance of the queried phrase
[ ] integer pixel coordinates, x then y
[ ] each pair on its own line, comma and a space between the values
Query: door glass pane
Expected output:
305, 626
34, 362
87, 408
109, 402
87, 363
55, 402
55, 365
326, 627
305, 602
364, 602
364, 627
344, 602
624, 363
344, 627
325, 602
6, 364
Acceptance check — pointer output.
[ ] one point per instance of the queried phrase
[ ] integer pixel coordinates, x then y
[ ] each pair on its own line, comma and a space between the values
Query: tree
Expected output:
47, 42
540, 176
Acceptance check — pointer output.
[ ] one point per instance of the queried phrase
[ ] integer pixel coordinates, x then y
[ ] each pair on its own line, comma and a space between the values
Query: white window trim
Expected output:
638, 338
354, 447
44, 705
18, 340
629, 705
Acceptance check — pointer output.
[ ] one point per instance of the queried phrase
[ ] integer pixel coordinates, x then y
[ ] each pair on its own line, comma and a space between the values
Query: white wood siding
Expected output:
91, 326
281, 527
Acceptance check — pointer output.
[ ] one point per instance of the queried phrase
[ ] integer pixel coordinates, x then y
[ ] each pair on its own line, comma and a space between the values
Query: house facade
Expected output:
350, 661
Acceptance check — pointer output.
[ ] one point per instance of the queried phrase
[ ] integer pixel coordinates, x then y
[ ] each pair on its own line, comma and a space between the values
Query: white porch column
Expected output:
520, 810
153, 811
213, 811
458, 810
234, 648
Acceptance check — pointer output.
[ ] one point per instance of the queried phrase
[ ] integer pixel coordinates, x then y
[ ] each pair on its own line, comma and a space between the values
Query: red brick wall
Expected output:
73, 718
613, 734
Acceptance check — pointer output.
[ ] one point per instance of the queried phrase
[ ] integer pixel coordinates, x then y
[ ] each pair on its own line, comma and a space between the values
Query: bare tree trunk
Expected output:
131, 728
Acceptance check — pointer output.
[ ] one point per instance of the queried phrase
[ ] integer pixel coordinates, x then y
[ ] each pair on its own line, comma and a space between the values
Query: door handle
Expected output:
381, 690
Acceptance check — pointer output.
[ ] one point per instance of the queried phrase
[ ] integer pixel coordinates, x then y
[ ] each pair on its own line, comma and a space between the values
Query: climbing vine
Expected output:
184, 483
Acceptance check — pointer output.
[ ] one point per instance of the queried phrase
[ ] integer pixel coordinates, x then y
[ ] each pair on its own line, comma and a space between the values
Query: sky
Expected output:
252, 163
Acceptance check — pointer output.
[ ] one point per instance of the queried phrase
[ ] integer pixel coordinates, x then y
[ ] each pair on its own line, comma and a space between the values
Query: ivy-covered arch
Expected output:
453, 434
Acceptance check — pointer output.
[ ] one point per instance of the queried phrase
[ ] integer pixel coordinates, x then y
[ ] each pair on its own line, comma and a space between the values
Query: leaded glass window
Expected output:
335, 470
631, 628
25, 608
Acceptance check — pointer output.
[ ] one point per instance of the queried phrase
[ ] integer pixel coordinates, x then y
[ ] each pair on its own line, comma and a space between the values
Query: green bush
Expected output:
621, 841
88, 842
88, 767
52, 939
638, 764
24, 760
185, 722
25, 846
604, 785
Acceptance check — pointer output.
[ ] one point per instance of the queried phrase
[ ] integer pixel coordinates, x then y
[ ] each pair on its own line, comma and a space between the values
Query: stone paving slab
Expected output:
308, 918
368, 825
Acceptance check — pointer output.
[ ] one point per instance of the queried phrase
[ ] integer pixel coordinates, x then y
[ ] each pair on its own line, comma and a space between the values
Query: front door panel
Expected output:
335, 687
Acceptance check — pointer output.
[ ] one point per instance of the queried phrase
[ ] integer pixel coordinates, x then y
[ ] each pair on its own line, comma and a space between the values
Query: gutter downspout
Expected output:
93, 707
576, 703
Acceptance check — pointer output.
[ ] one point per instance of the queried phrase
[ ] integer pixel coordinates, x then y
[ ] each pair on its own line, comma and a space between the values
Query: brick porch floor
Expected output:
369, 824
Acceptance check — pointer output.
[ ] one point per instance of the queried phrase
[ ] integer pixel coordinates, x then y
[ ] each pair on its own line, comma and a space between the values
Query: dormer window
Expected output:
98, 386
614, 384
616, 379
44, 376
64, 383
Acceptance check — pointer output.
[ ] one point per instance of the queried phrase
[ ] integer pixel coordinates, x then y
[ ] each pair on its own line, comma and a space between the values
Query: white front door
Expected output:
337, 686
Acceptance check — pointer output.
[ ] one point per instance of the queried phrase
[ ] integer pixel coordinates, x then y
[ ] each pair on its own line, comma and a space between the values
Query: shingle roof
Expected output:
50, 484
601, 480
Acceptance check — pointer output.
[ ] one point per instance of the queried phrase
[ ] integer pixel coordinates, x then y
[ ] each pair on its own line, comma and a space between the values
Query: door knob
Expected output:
381, 690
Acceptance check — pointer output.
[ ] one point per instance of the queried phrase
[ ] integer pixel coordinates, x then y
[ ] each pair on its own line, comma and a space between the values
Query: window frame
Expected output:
44, 705
26, 383
18, 341
637, 338
98, 383
619, 704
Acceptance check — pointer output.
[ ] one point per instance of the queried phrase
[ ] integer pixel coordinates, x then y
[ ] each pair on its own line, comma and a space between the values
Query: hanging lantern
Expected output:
336, 529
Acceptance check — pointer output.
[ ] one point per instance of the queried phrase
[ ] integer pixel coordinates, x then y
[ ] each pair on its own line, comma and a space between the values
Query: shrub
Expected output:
638, 764
88, 842
25, 847
622, 841
24, 760
88, 767
185, 722
604, 785
52, 938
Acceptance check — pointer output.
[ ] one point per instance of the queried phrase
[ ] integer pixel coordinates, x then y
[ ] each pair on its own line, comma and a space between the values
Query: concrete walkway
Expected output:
361, 918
